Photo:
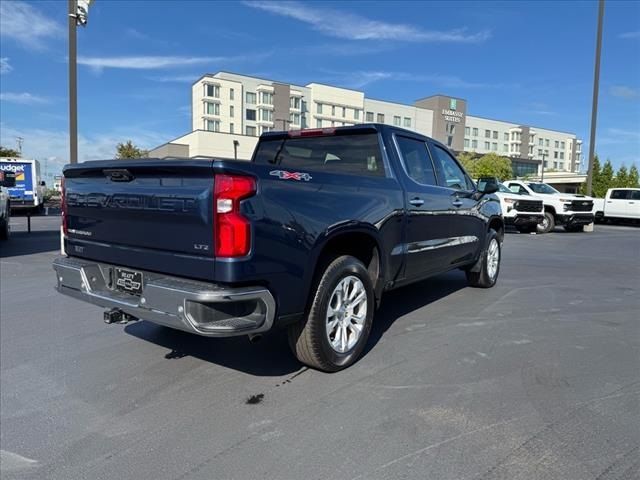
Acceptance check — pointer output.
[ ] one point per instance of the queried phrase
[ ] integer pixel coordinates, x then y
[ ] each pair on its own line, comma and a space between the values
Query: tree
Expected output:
468, 161
634, 180
622, 178
606, 179
8, 152
493, 165
129, 150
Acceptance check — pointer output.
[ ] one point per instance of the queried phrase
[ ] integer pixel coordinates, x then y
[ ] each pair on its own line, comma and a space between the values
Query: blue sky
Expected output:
528, 62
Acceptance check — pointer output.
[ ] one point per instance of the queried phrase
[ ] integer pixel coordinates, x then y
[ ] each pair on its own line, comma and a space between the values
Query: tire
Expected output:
326, 348
548, 223
490, 265
574, 228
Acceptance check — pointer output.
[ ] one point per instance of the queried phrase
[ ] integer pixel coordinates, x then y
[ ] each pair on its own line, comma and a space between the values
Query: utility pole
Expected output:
73, 83
544, 159
594, 105
77, 15
19, 142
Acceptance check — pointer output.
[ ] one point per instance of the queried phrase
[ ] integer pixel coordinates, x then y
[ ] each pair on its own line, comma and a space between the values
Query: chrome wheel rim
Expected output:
346, 314
493, 258
545, 222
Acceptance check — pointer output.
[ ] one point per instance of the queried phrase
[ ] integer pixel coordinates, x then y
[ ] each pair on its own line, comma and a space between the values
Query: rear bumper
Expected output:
576, 219
524, 219
196, 307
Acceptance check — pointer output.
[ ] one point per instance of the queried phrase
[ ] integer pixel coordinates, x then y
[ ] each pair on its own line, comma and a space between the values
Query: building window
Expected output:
557, 144
546, 142
266, 98
231, 94
494, 146
250, 99
212, 91
266, 115
212, 108
505, 147
344, 112
495, 134
487, 146
212, 125
555, 154
251, 131
451, 128
333, 110
449, 141
561, 155
264, 129
369, 116
407, 122
294, 102
562, 145
380, 118
231, 110
475, 132
295, 118
319, 123
541, 142
319, 108
231, 128
561, 165
539, 152
474, 143
466, 143
506, 136
396, 120
251, 115
487, 134
356, 114
333, 123
467, 131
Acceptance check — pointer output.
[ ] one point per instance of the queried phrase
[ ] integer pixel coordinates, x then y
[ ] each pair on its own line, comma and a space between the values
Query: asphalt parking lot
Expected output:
537, 378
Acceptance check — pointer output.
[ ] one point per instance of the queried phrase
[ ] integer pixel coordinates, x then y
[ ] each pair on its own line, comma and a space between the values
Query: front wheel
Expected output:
487, 276
335, 332
547, 224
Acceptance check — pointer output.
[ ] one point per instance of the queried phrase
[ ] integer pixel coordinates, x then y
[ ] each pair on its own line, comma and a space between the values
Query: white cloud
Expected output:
624, 92
145, 62
5, 67
26, 25
23, 98
53, 145
630, 35
177, 78
350, 26
360, 79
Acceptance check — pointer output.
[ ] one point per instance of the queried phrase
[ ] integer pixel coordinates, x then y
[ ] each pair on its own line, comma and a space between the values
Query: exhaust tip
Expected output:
255, 337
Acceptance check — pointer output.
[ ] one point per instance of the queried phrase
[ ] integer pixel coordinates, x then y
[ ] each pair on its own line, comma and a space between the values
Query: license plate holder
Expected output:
129, 281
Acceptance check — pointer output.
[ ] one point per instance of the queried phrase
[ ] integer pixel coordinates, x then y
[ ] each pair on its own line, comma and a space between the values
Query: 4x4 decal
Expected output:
283, 175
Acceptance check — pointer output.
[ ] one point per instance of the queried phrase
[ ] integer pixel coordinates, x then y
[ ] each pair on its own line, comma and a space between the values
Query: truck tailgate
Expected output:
148, 214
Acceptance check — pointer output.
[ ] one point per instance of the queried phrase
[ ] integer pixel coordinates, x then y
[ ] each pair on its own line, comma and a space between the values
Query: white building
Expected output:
230, 111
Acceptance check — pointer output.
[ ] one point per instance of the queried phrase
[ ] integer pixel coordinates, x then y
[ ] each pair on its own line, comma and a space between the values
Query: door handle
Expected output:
457, 202
416, 202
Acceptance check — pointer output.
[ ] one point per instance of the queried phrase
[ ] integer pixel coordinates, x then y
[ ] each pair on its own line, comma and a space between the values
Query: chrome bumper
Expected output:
197, 307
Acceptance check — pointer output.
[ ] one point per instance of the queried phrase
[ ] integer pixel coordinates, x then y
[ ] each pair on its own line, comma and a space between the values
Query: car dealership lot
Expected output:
538, 377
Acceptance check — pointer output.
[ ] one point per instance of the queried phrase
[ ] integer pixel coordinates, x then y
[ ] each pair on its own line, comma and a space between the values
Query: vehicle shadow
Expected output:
23, 243
271, 356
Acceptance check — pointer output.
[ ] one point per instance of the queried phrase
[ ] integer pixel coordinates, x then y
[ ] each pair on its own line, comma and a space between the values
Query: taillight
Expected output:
312, 132
63, 206
231, 229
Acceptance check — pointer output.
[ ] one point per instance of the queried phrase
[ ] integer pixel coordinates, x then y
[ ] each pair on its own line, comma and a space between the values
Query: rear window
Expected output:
357, 154
621, 194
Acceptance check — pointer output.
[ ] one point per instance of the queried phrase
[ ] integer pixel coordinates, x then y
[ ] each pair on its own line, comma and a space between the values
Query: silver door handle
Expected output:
416, 202
457, 203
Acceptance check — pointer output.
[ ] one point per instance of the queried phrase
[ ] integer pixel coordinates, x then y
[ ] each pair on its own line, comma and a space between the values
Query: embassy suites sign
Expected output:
452, 115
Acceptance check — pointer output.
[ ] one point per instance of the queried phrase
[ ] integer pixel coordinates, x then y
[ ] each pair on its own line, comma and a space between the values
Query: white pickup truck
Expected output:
618, 204
571, 211
7, 180
524, 212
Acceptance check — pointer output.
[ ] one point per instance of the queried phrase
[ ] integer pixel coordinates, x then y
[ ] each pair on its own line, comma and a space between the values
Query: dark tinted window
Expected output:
357, 154
251, 114
450, 173
635, 195
416, 160
620, 194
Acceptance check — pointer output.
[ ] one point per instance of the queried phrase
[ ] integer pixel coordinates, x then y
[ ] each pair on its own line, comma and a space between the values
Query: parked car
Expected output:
618, 204
571, 211
7, 180
524, 212
307, 235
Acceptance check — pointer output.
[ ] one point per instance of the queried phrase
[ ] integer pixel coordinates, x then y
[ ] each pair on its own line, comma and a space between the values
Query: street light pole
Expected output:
73, 82
544, 158
594, 105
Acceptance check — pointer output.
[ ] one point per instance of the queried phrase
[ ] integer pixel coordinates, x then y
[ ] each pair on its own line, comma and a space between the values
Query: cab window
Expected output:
620, 194
416, 160
450, 174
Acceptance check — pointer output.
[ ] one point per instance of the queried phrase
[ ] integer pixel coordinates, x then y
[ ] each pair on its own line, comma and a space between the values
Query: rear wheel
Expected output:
547, 224
335, 332
487, 276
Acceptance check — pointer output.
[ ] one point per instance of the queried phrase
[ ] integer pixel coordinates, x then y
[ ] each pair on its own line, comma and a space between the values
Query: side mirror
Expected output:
7, 179
488, 185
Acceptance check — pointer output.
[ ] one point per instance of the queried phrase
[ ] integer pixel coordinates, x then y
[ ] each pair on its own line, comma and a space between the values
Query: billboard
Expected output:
24, 179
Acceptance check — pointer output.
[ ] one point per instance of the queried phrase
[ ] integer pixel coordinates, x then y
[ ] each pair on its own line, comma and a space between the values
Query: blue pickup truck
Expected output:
309, 235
